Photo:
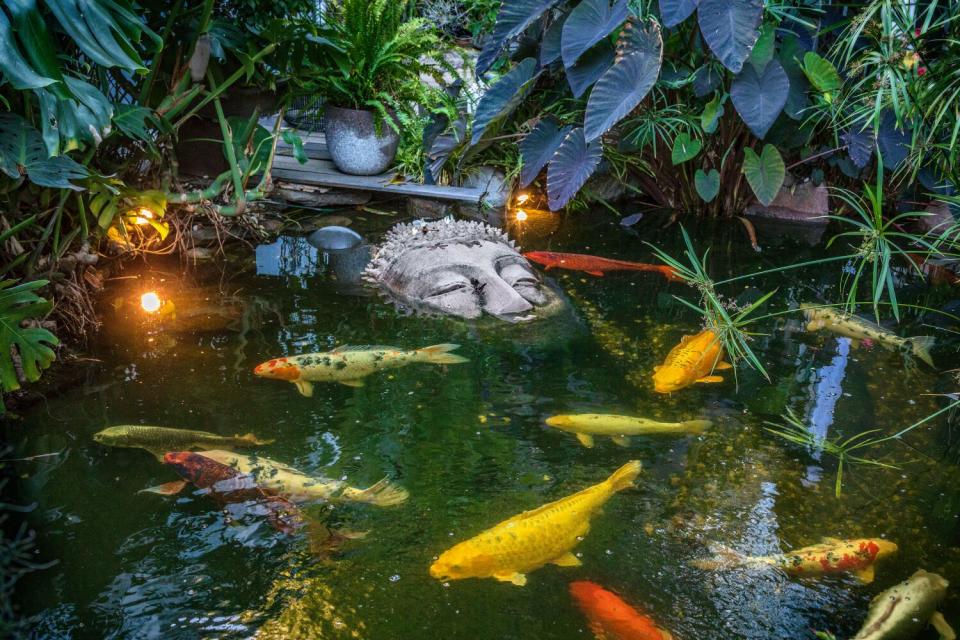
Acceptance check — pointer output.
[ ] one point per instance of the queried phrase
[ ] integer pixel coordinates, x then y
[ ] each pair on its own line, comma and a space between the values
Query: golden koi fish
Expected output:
532, 539
297, 486
902, 611
693, 360
160, 440
350, 364
860, 329
831, 556
620, 428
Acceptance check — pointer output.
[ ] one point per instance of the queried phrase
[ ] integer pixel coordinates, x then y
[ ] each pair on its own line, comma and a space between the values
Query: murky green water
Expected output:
469, 443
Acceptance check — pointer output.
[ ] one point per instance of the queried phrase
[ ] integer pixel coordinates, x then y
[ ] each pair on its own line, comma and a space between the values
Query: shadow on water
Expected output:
470, 444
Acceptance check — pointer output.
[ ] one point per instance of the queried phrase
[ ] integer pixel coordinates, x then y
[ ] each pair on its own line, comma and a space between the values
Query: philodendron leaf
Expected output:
759, 99
590, 67
711, 115
765, 172
674, 12
685, 148
538, 147
513, 18
571, 166
730, 28
33, 344
590, 22
22, 151
708, 184
762, 51
822, 74
621, 88
503, 97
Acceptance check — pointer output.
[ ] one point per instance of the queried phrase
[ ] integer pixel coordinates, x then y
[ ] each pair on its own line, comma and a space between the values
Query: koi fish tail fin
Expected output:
381, 494
920, 347
440, 354
723, 558
623, 477
697, 427
670, 273
249, 438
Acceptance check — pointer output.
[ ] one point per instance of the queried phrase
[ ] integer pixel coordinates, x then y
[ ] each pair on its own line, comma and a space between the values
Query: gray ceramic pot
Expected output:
354, 144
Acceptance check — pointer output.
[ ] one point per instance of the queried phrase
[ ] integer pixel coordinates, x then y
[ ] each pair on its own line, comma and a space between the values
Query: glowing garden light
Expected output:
150, 302
522, 198
520, 215
144, 216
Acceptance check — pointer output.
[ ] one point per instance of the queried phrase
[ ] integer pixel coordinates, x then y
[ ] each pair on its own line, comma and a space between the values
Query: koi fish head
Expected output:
113, 436
884, 548
559, 422
187, 464
277, 369
667, 379
461, 562
545, 258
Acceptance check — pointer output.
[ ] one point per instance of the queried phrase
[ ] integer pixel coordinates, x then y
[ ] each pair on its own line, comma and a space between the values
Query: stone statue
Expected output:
459, 268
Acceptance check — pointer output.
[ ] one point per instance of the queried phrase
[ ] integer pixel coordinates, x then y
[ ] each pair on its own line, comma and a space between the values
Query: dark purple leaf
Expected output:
589, 68
590, 22
759, 99
730, 28
674, 12
538, 147
571, 166
513, 18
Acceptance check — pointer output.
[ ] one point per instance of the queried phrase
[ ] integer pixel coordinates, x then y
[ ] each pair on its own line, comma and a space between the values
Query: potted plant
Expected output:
368, 66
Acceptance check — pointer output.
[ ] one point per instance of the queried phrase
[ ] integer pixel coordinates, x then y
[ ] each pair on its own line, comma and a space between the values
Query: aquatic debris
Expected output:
528, 541
595, 265
298, 486
610, 617
348, 365
159, 440
831, 556
904, 610
619, 428
227, 485
860, 329
631, 220
693, 360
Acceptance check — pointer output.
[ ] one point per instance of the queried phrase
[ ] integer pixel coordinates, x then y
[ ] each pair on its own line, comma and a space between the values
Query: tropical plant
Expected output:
24, 351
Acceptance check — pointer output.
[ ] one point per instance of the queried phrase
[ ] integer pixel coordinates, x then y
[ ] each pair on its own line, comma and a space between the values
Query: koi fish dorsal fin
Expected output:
722, 365
567, 560
866, 575
364, 347
830, 540
686, 339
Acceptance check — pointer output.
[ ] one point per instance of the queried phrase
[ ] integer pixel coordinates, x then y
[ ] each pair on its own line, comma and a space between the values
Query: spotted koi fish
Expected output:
350, 364
862, 330
693, 360
831, 556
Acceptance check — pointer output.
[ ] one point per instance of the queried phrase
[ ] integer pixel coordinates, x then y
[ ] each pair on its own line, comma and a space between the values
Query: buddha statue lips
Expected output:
458, 268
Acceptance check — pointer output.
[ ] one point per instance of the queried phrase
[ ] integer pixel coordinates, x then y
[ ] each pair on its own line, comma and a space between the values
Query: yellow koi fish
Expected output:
349, 365
297, 486
831, 556
532, 539
860, 329
693, 360
620, 428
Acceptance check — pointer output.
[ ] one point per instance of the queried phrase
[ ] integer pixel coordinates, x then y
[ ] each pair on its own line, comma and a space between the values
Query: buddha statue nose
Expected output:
502, 301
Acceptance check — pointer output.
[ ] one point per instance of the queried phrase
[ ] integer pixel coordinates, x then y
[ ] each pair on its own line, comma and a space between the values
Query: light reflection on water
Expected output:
469, 444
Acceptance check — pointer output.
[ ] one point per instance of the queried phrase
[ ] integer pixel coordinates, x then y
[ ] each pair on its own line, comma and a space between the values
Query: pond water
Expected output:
470, 445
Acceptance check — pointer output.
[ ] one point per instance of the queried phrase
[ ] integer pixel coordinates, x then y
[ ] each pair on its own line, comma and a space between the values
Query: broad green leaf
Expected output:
711, 115
708, 184
16, 70
685, 148
765, 172
762, 51
822, 74
296, 142
38, 47
730, 28
22, 150
590, 22
571, 166
33, 344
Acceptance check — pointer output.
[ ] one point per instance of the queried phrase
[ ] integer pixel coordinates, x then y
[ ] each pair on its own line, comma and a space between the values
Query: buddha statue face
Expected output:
458, 268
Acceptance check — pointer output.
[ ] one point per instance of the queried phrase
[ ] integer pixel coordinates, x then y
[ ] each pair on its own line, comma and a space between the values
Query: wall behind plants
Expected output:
706, 105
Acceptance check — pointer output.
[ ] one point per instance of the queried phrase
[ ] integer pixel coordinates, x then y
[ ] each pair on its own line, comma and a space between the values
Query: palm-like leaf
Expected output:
33, 344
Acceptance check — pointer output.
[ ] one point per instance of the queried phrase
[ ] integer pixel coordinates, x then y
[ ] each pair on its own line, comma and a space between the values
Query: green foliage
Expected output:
707, 184
822, 74
765, 173
685, 148
32, 345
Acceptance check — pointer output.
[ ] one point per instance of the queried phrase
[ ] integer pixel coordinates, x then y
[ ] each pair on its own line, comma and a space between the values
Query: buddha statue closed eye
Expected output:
458, 268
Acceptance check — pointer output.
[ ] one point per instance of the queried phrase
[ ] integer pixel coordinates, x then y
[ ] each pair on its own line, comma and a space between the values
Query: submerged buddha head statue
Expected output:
458, 268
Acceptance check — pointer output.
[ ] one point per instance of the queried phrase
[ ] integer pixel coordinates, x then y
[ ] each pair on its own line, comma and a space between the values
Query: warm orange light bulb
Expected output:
150, 302
523, 197
521, 215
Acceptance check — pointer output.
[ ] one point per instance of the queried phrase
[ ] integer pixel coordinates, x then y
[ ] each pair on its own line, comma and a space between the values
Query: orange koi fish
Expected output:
693, 360
595, 265
609, 617
831, 556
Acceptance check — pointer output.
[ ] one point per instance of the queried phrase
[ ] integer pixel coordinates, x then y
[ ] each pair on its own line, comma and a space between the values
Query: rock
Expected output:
939, 220
806, 203
427, 208
320, 197
334, 238
496, 190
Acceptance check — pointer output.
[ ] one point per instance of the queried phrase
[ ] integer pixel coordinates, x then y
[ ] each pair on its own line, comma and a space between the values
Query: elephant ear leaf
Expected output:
538, 147
765, 172
572, 164
707, 184
621, 87
33, 344
674, 12
730, 28
590, 67
443, 147
550, 43
503, 97
822, 74
23, 152
590, 22
513, 18
759, 98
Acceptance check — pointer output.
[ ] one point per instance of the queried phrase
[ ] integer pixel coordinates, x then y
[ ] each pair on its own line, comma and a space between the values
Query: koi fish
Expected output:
595, 265
227, 485
860, 329
902, 611
350, 364
587, 425
159, 440
609, 617
528, 541
297, 486
693, 360
830, 556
